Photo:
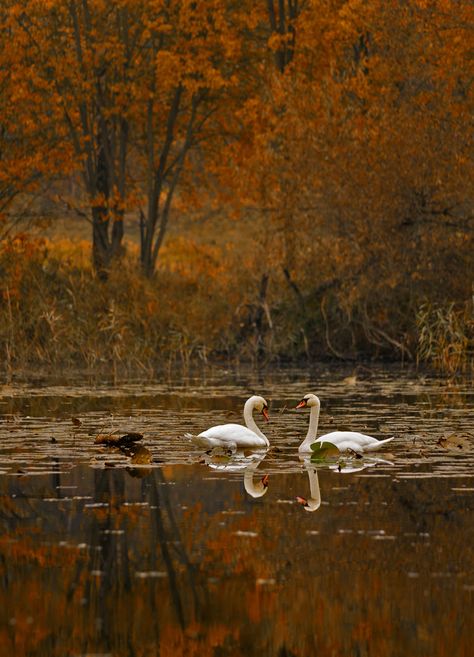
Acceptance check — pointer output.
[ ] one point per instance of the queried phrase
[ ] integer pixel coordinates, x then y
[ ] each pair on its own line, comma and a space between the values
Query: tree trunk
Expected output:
105, 246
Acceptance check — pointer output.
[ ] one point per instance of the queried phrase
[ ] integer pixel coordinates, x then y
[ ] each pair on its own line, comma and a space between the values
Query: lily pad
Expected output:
324, 447
324, 452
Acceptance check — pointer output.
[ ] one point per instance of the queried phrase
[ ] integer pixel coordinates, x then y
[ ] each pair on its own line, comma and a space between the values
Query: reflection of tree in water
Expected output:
284, 652
122, 553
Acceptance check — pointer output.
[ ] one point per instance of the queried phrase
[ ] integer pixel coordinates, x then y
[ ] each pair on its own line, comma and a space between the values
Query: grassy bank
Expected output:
205, 303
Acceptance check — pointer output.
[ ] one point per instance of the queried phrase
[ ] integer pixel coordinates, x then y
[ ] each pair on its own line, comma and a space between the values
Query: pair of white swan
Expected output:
236, 436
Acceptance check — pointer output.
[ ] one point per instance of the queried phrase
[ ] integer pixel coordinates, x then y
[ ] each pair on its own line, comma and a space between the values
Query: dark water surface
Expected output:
162, 551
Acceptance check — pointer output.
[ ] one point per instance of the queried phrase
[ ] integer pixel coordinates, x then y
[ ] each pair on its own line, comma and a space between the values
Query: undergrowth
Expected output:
446, 336
205, 303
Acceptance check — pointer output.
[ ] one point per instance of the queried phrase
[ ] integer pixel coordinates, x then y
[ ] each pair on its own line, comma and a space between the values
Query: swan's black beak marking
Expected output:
301, 404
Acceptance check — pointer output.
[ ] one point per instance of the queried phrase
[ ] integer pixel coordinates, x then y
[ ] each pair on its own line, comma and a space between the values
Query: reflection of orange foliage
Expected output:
27, 550
331, 593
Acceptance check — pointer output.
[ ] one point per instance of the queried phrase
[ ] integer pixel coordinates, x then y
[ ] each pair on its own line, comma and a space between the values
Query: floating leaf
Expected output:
323, 451
456, 441
326, 446
350, 380
111, 440
141, 456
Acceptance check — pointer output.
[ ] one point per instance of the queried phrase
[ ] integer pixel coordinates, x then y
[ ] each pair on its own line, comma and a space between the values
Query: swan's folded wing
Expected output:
354, 440
231, 433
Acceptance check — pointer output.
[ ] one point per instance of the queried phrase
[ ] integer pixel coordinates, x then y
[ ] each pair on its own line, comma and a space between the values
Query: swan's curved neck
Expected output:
314, 502
313, 427
254, 489
249, 421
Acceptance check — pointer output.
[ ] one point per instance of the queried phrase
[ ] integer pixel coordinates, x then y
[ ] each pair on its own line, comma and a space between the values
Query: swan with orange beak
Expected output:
236, 436
344, 440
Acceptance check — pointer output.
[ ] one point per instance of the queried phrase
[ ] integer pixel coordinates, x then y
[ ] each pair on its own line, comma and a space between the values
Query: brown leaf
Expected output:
113, 440
456, 441
142, 456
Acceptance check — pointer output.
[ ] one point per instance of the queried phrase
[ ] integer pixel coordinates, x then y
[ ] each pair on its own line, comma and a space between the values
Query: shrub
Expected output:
446, 336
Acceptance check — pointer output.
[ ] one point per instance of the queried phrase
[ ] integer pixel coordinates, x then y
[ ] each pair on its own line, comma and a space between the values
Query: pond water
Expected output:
161, 549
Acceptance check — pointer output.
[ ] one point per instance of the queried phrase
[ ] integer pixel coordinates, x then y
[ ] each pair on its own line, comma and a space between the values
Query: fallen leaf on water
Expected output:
456, 441
76, 421
350, 380
131, 437
106, 439
112, 440
142, 456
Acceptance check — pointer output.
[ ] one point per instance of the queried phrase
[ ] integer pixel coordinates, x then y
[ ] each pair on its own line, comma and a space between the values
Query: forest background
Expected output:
280, 180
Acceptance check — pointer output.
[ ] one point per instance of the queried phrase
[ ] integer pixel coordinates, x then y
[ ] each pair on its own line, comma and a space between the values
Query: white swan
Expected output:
235, 436
343, 440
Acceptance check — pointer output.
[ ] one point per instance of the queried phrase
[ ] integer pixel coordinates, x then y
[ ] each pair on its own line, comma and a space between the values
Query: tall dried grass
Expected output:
446, 336
55, 312
206, 302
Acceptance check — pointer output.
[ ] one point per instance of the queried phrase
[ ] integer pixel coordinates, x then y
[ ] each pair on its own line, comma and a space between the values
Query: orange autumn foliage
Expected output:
336, 134
358, 155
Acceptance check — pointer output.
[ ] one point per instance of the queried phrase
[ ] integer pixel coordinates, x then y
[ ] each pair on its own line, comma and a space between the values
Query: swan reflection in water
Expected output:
241, 461
313, 502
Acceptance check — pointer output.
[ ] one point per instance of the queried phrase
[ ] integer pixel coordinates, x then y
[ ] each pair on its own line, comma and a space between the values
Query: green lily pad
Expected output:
325, 446
323, 451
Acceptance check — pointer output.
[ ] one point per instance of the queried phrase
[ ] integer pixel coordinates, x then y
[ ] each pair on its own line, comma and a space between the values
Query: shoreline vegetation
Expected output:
267, 182
56, 313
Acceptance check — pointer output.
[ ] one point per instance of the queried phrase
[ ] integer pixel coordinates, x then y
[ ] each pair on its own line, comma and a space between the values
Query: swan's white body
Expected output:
352, 441
236, 436
343, 440
248, 463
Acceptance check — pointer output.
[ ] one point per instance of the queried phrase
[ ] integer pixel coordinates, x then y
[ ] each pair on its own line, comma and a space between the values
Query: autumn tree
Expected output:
361, 159
139, 85
83, 54
30, 137
190, 77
